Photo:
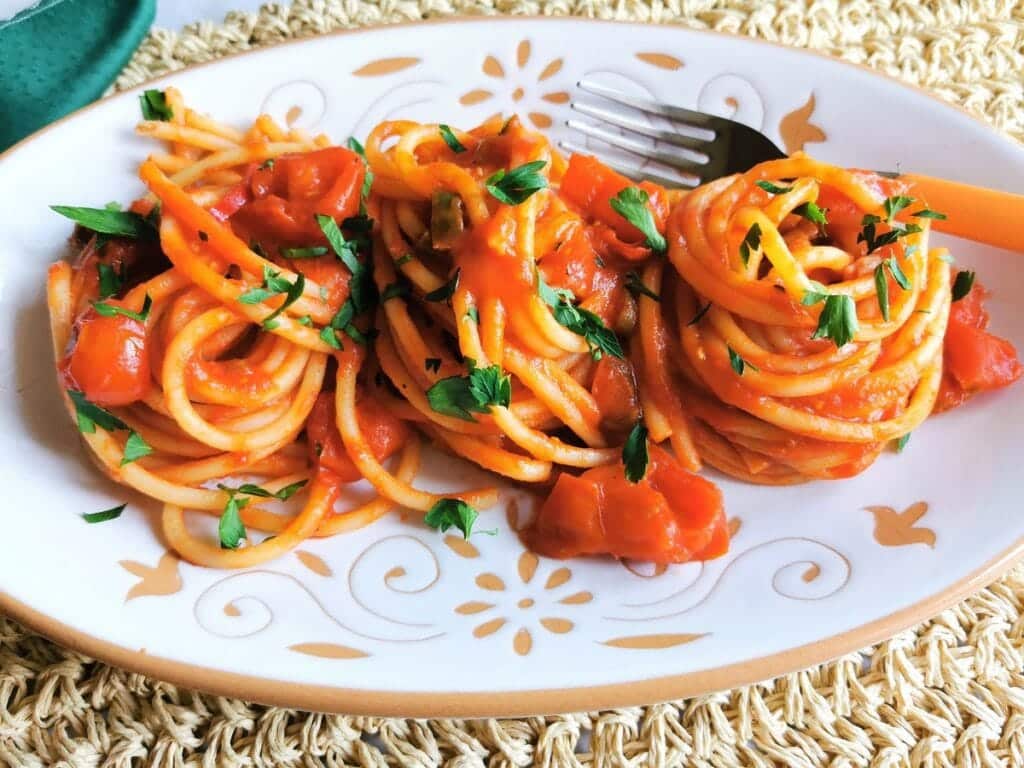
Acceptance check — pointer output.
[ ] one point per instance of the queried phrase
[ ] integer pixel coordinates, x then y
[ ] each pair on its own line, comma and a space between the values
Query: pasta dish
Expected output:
281, 316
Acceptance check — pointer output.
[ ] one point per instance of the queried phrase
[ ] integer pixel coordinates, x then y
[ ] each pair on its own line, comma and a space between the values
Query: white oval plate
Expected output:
398, 620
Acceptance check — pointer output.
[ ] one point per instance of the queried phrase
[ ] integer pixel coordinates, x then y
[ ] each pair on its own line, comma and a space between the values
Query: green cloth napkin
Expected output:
62, 54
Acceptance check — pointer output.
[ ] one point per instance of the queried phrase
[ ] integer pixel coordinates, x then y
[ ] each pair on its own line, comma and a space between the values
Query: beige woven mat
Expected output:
947, 693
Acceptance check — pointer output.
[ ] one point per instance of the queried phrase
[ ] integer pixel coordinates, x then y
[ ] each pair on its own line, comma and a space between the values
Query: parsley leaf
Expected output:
897, 273
738, 363
838, 319
751, 242
901, 443
450, 139
109, 310
360, 285
90, 416
449, 513
403, 259
700, 314
230, 529
600, 338
432, 364
329, 337
446, 291
394, 291
635, 285
107, 222
773, 189
895, 204
135, 448
874, 241
107, 514
267, 165
631, 204
634, 453
515, 186
274, 284
812, 213
254, 490
926, 213
110, 281
305, 320
154, 105
963, 284
473, 314
882, 290
458, 396
304, 253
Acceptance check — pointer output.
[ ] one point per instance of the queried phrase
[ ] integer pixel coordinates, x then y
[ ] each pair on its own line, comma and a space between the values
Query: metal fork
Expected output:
708, 147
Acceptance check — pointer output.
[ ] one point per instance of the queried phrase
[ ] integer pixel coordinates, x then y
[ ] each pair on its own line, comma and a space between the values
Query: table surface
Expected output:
170, 14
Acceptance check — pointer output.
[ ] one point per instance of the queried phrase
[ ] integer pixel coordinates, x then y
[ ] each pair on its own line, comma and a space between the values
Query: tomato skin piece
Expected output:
383, 432
671, 516
590, 184
614, 389
109, 361
276, 206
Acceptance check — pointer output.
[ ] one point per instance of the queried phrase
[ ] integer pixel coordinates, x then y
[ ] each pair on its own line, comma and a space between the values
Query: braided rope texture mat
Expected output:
949, 692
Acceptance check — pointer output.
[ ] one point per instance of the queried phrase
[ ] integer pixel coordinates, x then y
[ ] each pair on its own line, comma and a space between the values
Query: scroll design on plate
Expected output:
810, 570
161, 579
899, 529
796, 128
493, 68
734, 97
521, 610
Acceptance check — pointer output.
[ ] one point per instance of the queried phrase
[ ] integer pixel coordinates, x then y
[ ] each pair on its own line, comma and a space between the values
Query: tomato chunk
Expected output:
670, 516
276, 205
384, 433
109, 362
591, 185
974, 359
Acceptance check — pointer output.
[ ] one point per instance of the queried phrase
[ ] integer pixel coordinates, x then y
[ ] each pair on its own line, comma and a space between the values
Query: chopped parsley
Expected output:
600, 338
446, 290
91, 416
926, 213
273, 285
110, 282
110, 310
304, 253
893, 205
394, 291
962, 284
901, 443
869, 233
453, 513
773, 189
154, 105
107, 514
403, 259
635, 457
515, 186
230, 529
812, 213
838, 319
451, 140
107, 222
631, 204
635, 285
700, 314
254, 490
882, 283
461, 396
738, 363
432, 364
361, 288
135, 448
355, 146
751, 242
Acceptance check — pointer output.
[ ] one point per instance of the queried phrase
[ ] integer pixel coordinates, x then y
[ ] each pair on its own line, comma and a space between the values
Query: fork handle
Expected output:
984, 215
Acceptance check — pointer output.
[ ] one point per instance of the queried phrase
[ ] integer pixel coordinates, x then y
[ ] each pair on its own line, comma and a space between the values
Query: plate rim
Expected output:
542, 701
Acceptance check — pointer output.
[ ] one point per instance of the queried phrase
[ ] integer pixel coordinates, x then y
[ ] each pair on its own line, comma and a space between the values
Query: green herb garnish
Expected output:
304, 253
635, 457
515, 186
773, 189
453, 513
962, 284
461, 396
135, 448
838, 319
631, 204
738, 363
154, 105
109, 310
107, 222
110, 281
446, 290
450, 139
600, 338
751, 242
700, 314
107, 514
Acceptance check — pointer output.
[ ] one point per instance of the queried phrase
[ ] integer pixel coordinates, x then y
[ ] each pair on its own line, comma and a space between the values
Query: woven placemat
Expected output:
950, 692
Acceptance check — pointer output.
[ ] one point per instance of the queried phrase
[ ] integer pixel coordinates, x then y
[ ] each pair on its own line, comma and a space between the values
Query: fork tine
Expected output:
669, 137
685, 116
636, 148
632, 172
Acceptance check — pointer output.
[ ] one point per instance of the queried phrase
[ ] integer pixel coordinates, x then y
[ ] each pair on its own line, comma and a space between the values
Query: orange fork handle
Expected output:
983, 215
